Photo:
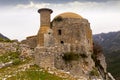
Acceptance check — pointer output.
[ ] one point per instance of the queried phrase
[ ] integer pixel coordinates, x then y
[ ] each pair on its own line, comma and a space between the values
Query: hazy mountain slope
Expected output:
111, 47
2, 36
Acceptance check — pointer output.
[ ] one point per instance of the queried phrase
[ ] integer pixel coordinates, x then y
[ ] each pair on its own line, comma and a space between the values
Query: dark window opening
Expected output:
62, 42
49, 33
59, 32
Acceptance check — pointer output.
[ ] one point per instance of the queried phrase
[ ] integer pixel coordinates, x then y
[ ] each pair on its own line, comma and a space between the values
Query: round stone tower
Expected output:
45, 16
44, 25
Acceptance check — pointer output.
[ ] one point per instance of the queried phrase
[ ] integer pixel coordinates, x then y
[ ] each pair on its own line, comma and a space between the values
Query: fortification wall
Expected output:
31, 41
54, 57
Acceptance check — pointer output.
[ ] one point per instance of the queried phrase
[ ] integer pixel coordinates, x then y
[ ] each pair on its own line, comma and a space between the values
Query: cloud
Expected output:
12, 2
86, 5
15, 2
82, 5
33, 5
23, 20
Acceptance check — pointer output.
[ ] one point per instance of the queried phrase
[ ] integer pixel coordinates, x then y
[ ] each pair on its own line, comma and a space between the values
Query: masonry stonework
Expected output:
65, 43
45, 25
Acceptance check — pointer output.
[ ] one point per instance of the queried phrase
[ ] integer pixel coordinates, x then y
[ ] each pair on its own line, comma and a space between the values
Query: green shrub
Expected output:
16, 61
58, 19
1, 39
15, 55
94, 72
10, 56
70, 56
5, 40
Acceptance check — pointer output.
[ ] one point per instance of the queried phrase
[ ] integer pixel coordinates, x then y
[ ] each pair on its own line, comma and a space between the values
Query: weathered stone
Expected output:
8, 47
31, 41
101, 58
5, 64
23, 49
70, 36
45, 25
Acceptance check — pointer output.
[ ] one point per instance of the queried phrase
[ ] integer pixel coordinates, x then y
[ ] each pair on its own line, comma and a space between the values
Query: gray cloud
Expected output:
12, 2
15, 2
21, 19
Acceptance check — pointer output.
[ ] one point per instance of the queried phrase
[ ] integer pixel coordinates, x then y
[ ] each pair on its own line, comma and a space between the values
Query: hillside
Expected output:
3, 38
17, 63
111, 47
24, 69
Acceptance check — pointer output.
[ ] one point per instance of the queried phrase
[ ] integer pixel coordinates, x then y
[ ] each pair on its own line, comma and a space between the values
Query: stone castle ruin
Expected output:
65, 43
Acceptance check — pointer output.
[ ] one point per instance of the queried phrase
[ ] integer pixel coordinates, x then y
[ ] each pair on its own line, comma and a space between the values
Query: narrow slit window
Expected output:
59, 32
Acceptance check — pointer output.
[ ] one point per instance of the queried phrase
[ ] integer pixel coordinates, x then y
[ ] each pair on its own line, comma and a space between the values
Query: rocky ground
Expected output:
16, 60
14, 72
17, 63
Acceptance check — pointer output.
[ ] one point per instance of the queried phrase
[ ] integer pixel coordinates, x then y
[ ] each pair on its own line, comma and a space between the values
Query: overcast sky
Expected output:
19, 18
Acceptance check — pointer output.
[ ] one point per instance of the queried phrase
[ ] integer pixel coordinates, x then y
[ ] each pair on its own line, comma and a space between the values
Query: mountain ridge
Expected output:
110, 43
3, 37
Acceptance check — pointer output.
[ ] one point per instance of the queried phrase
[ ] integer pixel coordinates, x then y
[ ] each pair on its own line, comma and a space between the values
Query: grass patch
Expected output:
10, 56
11, 70
16, 61
34, 73
17, 71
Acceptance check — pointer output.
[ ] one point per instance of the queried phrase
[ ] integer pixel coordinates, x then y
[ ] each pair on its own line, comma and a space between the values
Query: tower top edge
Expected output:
45, 9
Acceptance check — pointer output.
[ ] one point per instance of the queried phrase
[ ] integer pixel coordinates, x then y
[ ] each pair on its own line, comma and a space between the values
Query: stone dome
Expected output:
69, 15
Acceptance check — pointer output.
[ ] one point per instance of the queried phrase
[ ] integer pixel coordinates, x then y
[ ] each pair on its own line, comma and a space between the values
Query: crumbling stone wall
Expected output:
52, 57
31, 41
8, 47
23, 49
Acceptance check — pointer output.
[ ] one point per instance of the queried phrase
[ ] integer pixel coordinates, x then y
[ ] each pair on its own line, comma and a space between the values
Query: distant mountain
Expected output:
3, 38
109, 41
111, 47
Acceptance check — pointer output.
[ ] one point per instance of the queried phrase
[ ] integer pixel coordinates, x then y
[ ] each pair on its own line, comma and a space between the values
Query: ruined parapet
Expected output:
45, 25
31, 41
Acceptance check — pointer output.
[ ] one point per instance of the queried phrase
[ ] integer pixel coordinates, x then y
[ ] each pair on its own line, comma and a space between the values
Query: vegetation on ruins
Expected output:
58, 19
70, 56
94, 72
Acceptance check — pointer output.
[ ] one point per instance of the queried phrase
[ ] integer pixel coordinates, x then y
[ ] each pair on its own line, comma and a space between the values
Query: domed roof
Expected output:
69, 15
